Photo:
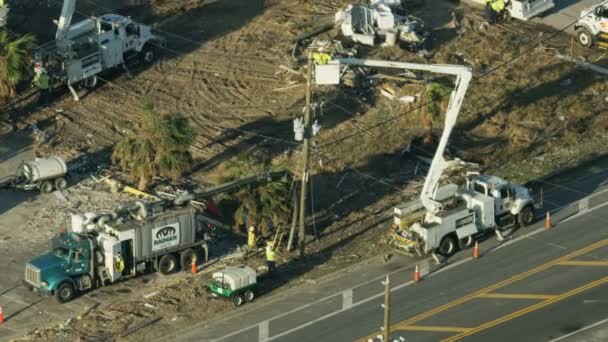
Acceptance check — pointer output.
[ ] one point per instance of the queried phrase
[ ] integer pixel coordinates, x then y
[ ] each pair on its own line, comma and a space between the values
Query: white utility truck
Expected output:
83, 50
527, 9
592, 26
447, 217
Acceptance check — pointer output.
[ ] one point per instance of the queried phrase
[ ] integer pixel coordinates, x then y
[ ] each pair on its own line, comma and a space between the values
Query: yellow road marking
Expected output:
434, 328
583, 263
515, 296
494, 287
528, 309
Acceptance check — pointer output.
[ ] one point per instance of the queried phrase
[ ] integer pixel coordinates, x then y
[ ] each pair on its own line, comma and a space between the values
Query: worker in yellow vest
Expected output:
251, 237
42, 81
321, 58
271, 257
494, 10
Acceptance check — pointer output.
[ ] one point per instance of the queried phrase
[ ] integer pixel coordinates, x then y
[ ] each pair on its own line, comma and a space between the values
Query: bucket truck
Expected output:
83, 50
449, 217
592, 27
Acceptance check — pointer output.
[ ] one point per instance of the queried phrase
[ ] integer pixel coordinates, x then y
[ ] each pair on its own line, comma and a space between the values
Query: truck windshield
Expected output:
61, 252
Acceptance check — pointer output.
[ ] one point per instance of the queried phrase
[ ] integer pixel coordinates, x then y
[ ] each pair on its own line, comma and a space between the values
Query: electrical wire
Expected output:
483, 75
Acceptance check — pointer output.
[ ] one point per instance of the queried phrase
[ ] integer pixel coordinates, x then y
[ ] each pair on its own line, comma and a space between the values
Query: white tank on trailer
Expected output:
43, 168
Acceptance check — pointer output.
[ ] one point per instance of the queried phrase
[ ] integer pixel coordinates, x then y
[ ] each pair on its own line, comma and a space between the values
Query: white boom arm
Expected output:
67, 12
463, 77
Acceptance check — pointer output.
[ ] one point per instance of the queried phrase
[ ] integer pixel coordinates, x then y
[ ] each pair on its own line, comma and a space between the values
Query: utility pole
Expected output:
387, 311
294, 220
305, 147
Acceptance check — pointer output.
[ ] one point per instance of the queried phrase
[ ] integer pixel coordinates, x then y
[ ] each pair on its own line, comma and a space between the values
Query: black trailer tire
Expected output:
148, 54
448, 246
65, 292
466, 242
237, 299
186, 258
167, 264
90, 82
61, 183
526, 216
584, 37
249, 295
46, 187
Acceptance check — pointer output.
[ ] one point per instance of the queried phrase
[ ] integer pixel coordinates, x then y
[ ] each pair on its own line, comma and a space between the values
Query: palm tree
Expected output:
262, 205
435, 95
14, 61
161, 148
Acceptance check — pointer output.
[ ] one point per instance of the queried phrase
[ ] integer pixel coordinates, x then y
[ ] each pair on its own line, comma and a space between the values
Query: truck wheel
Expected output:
65, 292
448, 246
61, 183
186, 259
466, 242
584, 37
46, 187
526, 216
249, 296
90, 82
148, 54
237, 300
167, 264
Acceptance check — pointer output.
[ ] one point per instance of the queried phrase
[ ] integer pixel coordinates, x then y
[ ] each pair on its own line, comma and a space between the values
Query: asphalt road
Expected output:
538, 289
348, 307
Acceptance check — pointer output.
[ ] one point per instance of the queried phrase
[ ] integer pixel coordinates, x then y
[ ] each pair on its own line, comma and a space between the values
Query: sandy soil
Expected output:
221, 68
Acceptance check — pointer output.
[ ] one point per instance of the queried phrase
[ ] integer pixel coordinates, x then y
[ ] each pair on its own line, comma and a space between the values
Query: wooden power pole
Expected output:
387, 311
305, 147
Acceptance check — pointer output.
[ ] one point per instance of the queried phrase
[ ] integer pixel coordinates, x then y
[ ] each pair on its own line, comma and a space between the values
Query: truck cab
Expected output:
592, 26
120, 36
63, 270
510, 200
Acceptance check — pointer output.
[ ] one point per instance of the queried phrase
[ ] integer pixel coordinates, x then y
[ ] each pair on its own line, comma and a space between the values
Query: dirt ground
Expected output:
222, 68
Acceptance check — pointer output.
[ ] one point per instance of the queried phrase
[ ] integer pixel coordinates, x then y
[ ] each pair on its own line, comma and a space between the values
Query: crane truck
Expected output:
81, 51
592, 26
446, 218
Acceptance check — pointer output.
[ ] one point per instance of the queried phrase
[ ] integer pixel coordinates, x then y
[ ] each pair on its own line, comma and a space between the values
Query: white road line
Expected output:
580, 330
263, 331
347, 299
586, 212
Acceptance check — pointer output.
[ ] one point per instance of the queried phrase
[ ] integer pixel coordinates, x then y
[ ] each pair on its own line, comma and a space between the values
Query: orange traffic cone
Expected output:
548, 221
416, 274
193, 265
1, 315
476, 250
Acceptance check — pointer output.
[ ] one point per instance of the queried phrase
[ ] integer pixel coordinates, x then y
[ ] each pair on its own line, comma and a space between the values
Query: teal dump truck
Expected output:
102, 248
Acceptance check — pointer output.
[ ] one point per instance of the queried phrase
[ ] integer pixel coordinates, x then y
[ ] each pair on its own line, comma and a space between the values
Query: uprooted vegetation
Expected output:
237, 81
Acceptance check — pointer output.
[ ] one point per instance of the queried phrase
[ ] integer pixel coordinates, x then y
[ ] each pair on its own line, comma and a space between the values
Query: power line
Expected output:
483, 75
129, 90
182, 37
